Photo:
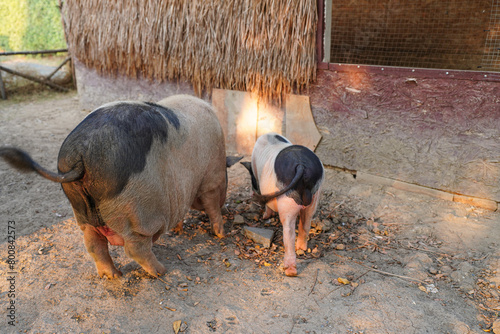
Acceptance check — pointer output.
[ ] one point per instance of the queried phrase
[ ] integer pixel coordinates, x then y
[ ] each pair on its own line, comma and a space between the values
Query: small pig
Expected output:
131, 171
287, 179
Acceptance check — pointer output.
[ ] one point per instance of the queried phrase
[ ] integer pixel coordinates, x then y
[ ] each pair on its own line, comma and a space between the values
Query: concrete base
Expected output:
95, 90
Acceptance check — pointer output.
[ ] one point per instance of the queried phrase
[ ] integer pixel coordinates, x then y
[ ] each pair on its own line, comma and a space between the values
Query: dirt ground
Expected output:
381, 260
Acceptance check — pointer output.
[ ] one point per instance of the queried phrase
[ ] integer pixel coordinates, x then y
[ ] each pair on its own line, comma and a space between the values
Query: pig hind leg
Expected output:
139, 248
306, 216
95, 242
288, 211
97, 246
212, 201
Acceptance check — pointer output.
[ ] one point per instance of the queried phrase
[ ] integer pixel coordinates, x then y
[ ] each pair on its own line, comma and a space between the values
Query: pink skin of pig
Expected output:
269, 174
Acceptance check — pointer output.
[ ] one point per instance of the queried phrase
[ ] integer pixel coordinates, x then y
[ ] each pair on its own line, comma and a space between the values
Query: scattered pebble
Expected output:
238, 219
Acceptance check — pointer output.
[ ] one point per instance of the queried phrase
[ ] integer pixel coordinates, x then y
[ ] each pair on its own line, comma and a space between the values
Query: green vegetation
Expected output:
30, 25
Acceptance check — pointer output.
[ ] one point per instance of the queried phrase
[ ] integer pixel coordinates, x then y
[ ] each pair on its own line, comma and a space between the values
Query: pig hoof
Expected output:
159, 270
302, 246
179, 228
291, 271
110, 274
219, 232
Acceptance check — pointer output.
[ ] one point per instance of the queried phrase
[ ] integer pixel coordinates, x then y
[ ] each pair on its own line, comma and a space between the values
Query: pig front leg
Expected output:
139, 248
288, 212
97, 246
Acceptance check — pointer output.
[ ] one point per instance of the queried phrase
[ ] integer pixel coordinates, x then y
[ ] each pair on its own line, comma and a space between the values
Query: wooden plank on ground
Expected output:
218, 102
270, 119
300, 126
237, 112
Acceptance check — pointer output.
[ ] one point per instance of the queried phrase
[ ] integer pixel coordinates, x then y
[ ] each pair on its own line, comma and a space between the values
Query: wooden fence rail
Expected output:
12, 53
44, 81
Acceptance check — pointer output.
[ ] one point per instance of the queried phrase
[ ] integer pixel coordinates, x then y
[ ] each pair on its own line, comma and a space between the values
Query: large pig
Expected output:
288, 179
131, 171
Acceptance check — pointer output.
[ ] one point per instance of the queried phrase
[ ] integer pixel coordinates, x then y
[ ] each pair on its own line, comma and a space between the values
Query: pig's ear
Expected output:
248, 165
232, 160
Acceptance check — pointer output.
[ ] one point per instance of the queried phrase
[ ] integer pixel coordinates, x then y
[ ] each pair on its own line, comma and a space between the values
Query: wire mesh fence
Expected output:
447, 34
491, 56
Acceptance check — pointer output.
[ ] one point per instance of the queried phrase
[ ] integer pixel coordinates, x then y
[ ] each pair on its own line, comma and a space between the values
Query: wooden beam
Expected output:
57, 69
12, 53
29, 77
416, 72
327, 35
319, 31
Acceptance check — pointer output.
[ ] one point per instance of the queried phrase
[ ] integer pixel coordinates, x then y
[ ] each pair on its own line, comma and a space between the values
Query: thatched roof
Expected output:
265, 46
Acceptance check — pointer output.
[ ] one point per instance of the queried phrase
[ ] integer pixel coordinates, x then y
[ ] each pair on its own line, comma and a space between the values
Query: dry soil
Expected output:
381, 260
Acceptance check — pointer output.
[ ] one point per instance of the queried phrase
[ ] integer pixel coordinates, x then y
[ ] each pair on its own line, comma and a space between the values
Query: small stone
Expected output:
238, 219
324, 225
260, 235
433, 270
340, 247
242, 207
446, 270
251, 216
184, 326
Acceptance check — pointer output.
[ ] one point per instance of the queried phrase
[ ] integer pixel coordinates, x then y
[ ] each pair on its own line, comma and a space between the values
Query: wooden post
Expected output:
2, 88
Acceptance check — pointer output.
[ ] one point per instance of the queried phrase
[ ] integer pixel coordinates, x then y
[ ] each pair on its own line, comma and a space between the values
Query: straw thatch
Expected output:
264, 46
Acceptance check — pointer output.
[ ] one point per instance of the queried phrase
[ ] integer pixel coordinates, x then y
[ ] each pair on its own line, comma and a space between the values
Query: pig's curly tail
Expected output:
22, 161
263, 199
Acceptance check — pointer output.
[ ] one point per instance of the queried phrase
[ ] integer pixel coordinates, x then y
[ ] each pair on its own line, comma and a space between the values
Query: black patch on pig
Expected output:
169, 114
255, 185
281, 139
285, 167
113, 143
231, 160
